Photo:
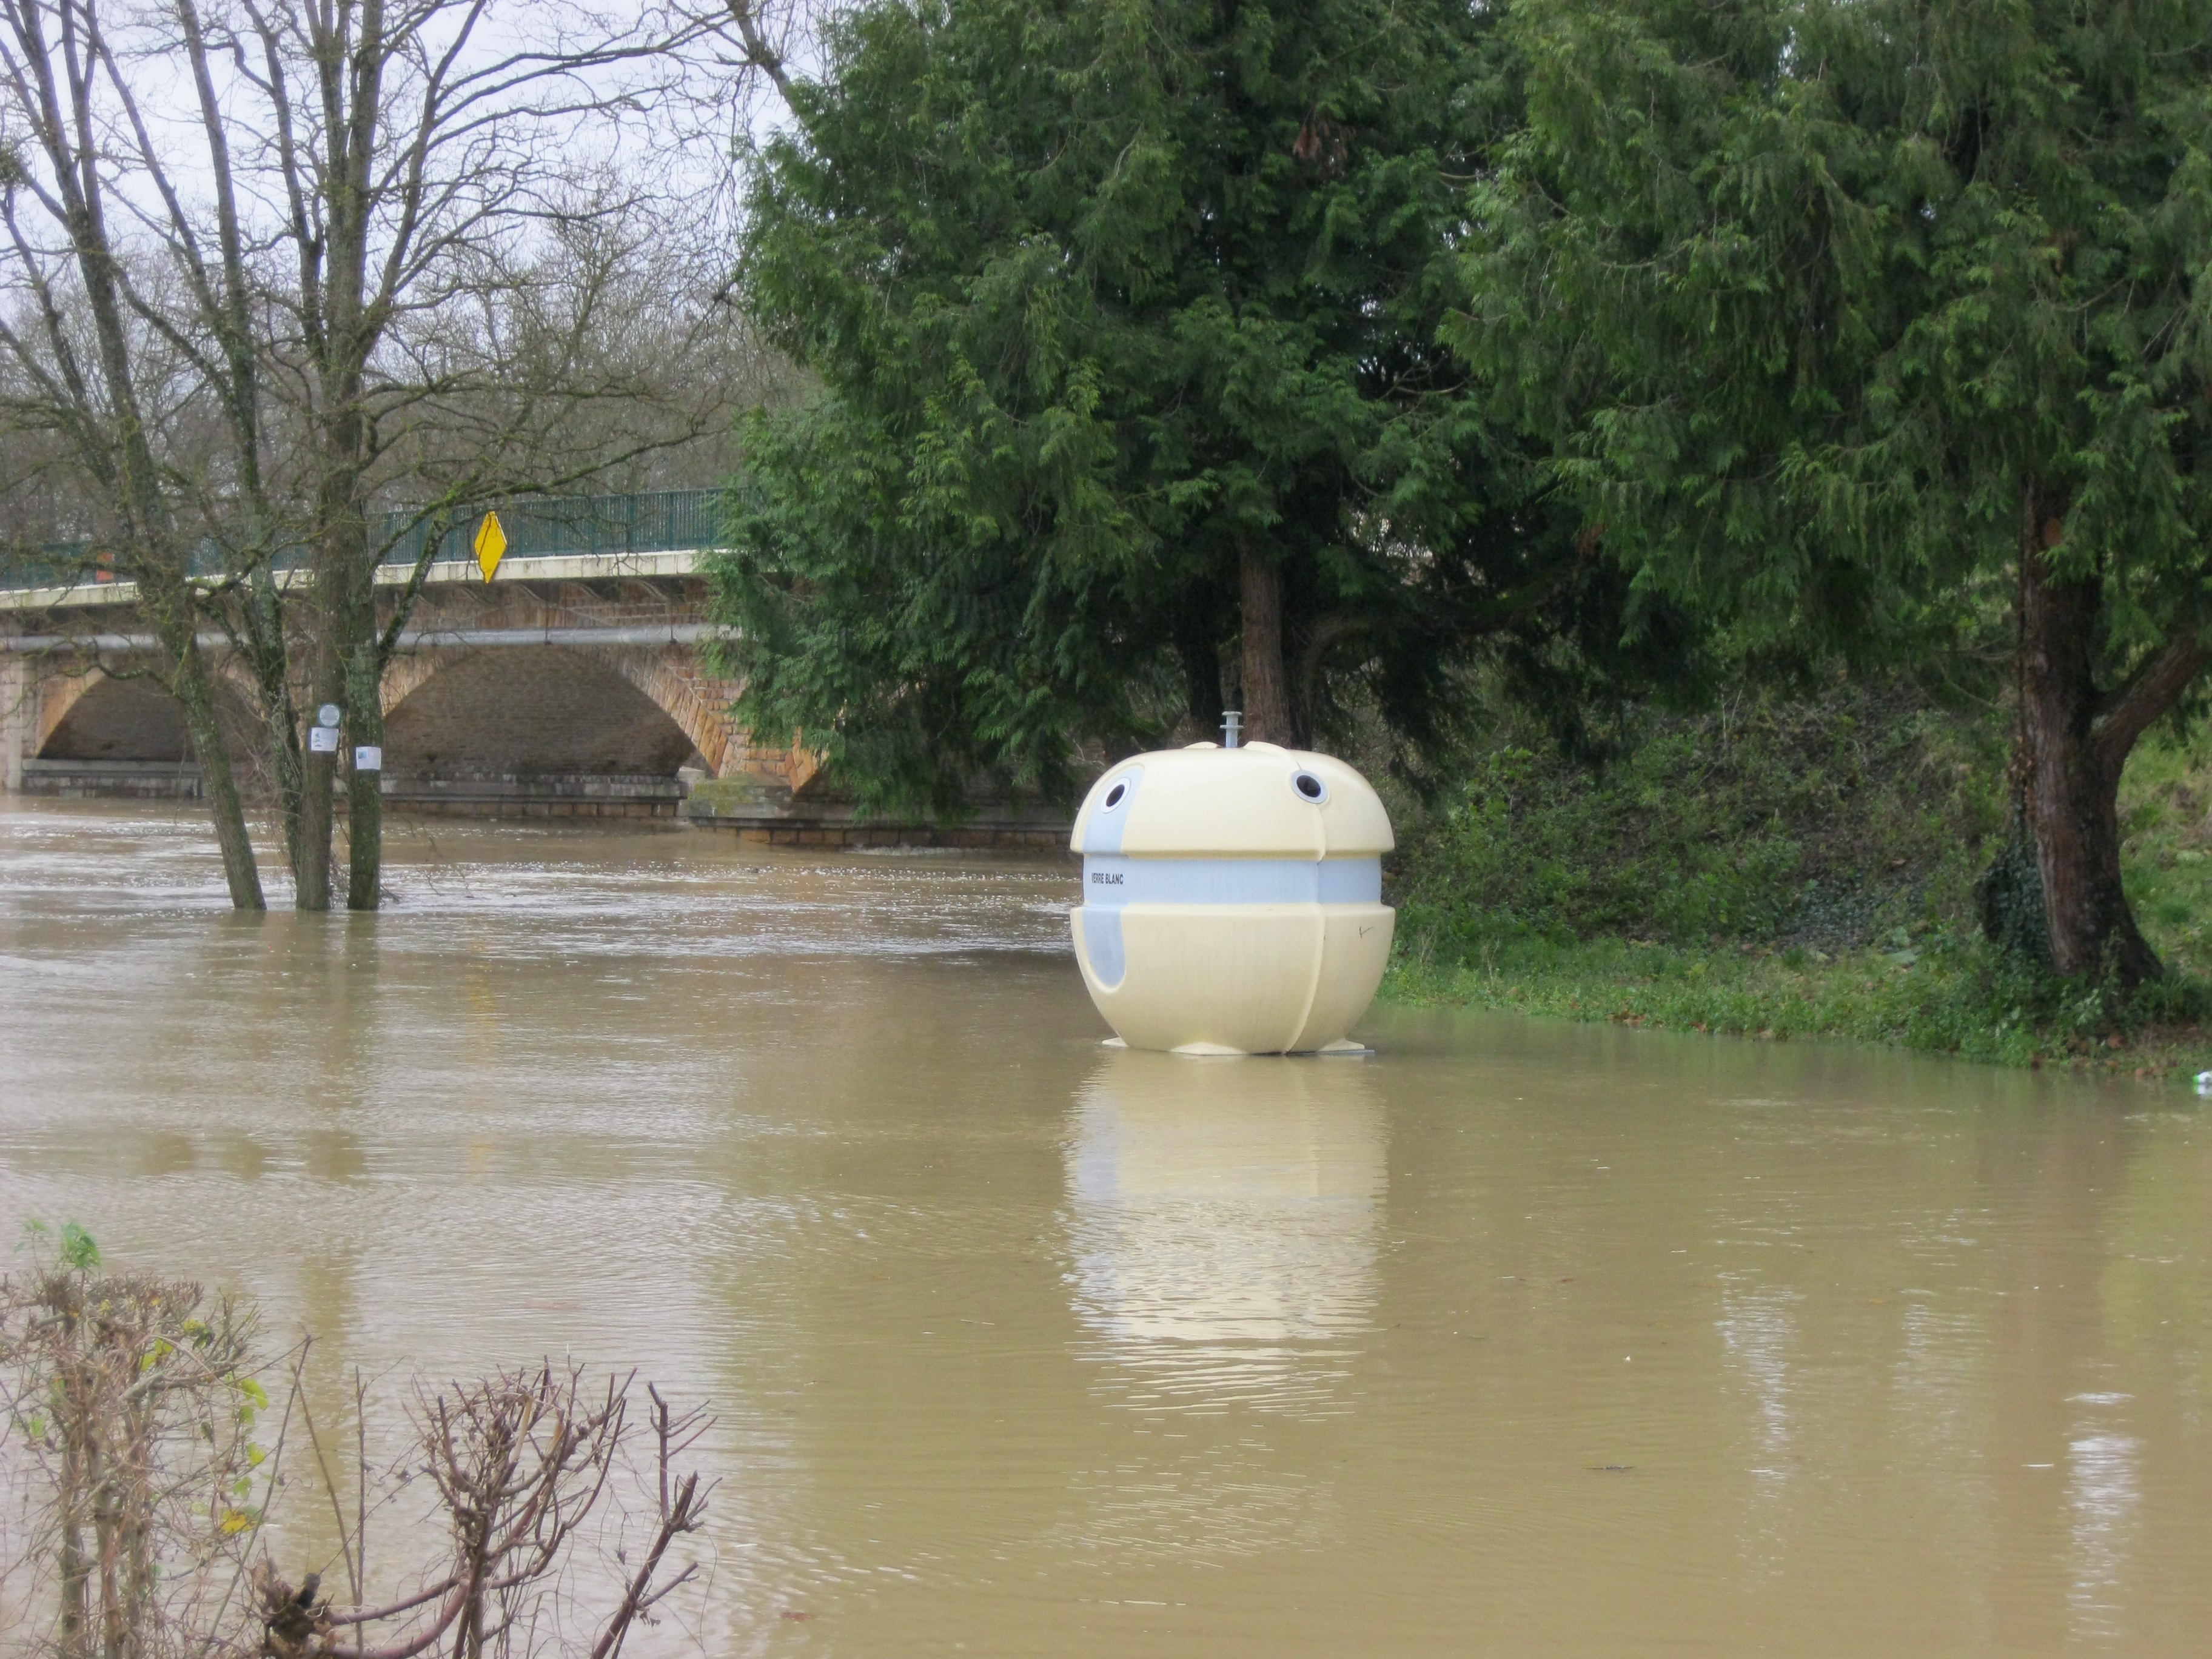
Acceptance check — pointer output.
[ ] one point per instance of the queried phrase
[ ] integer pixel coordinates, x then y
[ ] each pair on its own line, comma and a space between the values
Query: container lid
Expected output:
1256, 801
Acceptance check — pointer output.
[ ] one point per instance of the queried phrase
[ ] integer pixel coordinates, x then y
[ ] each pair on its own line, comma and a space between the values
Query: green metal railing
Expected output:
537, 526
658, 522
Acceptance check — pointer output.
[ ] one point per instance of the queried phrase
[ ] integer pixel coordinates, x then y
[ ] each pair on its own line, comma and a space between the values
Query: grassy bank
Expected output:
1792, 870
1936, 994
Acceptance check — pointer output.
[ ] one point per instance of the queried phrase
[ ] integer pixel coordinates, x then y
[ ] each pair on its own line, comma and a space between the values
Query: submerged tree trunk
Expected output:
2075, 742
1267, 687
166, 598
352, 642
344, 625
364, 790
318, 781
263, 628
318, 766
195, 692
109, 427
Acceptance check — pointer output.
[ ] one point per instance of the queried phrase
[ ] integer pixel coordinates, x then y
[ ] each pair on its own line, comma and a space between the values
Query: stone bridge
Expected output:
574, 683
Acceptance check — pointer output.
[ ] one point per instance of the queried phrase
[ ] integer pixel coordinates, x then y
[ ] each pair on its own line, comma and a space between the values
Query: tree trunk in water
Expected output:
263, 630
2075, 742
197, 697
335, 553
364, 790
1267, 689
166, 600
162, 568
354, 646
318, 776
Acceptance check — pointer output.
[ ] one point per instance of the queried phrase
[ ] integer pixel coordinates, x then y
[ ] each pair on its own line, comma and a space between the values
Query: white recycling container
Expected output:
1233, 900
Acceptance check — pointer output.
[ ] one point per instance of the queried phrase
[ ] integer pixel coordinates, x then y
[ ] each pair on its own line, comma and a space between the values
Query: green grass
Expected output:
1793, 871
1933, 992
2167, 857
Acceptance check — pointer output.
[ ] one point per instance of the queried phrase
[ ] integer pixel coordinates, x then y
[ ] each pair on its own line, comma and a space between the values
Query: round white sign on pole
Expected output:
327, 714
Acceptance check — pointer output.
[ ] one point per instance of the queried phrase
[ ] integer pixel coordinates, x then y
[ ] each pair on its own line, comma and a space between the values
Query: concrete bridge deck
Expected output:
578, 683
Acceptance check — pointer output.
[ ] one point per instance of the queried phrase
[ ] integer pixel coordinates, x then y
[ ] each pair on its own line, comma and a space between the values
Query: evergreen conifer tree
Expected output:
1124, 317
1847, 321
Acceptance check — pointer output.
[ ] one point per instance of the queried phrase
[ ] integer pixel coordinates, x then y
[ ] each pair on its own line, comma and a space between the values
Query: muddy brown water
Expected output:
1515, 1339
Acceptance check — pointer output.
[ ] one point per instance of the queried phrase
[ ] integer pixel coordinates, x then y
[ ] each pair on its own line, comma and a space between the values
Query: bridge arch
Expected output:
542, 710
99, 716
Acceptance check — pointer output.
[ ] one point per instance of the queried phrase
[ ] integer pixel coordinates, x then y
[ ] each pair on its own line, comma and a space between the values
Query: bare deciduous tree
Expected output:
370, 253
92, 379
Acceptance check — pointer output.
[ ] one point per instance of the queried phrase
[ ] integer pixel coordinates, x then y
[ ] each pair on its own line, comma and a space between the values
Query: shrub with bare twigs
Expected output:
131, 1403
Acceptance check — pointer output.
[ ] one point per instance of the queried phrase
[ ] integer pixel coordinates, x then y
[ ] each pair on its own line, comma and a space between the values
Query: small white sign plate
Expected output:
367, 757
322, 740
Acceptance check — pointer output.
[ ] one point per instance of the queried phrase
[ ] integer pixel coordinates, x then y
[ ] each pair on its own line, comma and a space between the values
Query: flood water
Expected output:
1516, 1338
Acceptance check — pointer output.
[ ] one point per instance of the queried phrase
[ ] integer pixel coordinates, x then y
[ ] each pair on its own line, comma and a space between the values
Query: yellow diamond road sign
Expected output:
490, 545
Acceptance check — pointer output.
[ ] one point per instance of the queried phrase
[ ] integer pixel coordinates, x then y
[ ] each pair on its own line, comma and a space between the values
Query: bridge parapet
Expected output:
599, 531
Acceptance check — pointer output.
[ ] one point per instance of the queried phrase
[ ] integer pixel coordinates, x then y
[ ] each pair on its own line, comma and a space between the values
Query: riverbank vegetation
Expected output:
1779, 868
149, 1433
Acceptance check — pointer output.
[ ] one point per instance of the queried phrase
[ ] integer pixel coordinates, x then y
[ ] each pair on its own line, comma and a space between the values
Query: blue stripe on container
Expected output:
1110, 881
1102, 944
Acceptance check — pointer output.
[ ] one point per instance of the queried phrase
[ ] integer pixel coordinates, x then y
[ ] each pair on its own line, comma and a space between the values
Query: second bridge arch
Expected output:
549, 728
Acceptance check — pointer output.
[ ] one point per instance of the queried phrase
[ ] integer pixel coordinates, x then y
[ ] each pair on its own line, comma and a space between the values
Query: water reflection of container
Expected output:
1232, 899
1225, 1226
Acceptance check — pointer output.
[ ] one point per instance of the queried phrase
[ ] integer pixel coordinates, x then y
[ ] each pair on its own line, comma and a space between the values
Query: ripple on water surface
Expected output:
1515, 1338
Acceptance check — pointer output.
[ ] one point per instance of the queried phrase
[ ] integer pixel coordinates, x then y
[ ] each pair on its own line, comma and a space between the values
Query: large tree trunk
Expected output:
165, 598
195, 693
1266, 686
2076, 740
364, 790
262, 617
354, 644
161, 568
319, 769
345, 622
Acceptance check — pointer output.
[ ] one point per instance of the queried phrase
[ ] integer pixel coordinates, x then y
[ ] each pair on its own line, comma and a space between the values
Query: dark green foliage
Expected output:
1800, 292
1849, 320
1104, 300
2008, 901
1826, 822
